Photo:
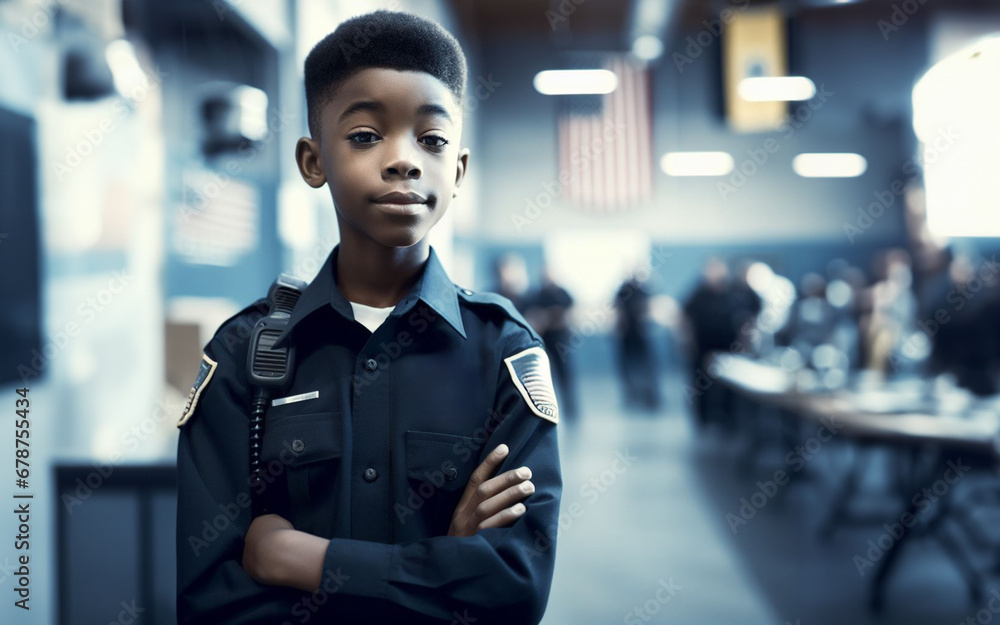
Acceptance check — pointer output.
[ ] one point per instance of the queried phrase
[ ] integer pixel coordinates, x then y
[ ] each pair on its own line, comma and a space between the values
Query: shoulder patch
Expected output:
532, 377
205, 373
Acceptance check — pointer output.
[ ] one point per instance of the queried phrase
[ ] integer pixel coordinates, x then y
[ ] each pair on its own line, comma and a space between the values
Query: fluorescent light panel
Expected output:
696, 163
575, 81
779, 88
831, 165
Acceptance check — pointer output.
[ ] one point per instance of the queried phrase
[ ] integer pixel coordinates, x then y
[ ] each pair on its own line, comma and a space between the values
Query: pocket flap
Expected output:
301, 439
444, 460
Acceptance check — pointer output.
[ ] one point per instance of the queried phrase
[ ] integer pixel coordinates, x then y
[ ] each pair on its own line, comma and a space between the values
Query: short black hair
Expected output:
391, 39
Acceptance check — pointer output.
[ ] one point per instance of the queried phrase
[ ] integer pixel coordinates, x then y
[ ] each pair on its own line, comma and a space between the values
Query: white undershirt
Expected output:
369, 316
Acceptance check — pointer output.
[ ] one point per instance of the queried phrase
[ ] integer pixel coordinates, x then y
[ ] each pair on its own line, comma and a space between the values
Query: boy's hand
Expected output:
260, 550
491, 502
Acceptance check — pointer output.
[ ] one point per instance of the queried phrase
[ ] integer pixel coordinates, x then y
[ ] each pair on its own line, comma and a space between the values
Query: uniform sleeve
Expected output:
213, 506
499, 575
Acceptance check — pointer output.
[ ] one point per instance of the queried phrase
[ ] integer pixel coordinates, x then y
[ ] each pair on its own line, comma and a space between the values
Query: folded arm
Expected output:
496, 574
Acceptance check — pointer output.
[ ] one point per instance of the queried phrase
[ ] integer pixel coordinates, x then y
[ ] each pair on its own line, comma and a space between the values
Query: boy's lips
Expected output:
401, 203
401, 197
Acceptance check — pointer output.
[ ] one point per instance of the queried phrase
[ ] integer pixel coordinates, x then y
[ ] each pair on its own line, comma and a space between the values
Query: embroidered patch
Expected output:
205, 372
531, 375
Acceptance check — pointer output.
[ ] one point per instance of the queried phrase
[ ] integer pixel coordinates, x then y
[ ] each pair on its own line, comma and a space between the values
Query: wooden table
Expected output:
943, 435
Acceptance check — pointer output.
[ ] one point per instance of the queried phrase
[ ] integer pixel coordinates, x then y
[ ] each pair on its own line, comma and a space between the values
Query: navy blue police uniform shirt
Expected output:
372, 447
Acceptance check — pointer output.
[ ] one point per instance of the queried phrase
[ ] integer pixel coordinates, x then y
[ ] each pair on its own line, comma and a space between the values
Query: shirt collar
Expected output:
434, 288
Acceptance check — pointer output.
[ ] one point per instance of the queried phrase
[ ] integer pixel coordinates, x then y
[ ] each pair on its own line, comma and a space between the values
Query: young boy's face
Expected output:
388, 147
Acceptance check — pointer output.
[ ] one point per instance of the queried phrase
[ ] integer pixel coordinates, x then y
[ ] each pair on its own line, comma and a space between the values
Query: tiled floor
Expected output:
647, 524
663, 517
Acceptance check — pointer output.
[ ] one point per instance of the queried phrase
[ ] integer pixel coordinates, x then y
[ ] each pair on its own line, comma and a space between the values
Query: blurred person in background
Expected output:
812, 318
548, 311
709, 314
960, 321
746, 303
844, 292
510, 276
893, 314
760, 332
636, 358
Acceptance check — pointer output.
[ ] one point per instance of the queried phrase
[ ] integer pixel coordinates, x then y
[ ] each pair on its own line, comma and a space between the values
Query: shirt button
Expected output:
371, 475
371, 364
450, 473
298, 445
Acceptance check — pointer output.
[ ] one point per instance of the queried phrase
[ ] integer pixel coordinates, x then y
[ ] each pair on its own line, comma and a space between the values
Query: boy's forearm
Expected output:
296, 559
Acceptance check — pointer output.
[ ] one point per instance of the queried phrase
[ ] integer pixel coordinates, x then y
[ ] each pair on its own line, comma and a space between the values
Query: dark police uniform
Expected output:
372, 447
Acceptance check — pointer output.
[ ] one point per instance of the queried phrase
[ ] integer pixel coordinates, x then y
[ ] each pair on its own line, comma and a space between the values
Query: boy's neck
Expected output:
375, 275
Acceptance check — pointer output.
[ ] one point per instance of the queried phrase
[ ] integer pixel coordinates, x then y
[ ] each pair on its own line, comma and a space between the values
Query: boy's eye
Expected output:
434, 141
363, 137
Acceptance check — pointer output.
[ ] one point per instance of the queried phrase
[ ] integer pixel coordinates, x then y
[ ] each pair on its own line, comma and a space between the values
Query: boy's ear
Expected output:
307, 158
462, 166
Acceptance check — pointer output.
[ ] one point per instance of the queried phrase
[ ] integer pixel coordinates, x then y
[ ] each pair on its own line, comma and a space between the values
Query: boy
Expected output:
412, 471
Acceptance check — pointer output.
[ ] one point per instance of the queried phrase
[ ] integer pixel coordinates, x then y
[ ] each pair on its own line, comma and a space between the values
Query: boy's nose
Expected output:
401, 167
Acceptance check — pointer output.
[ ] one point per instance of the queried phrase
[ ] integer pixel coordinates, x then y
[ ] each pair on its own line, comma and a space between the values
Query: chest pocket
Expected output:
438, 467
302, 457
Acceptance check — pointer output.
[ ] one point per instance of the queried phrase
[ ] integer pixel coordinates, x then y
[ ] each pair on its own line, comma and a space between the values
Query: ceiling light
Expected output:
780, 88
842, 165
647, 47
696, 163
575, 81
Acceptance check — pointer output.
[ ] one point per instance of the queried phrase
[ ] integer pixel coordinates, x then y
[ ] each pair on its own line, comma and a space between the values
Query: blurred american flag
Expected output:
605, 141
